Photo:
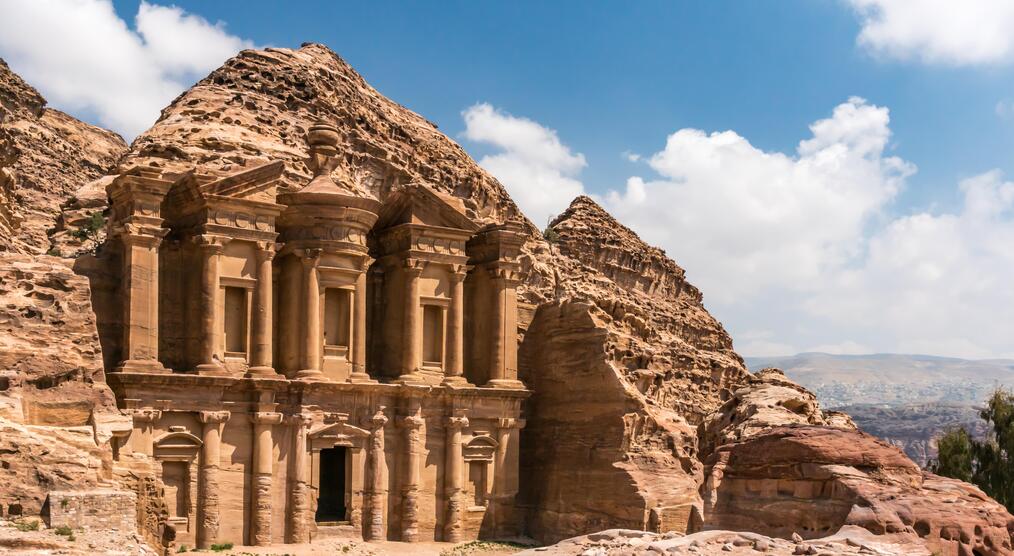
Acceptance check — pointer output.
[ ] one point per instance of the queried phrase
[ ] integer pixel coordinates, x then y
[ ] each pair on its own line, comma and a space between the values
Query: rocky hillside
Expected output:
45, 157
642, 416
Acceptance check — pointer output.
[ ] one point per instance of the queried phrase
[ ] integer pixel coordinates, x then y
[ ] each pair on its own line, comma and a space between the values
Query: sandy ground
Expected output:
24, 541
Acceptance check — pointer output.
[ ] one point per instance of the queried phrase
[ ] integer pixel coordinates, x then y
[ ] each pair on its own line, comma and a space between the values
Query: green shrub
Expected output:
64, 531
221, 547
988, 463
23, 526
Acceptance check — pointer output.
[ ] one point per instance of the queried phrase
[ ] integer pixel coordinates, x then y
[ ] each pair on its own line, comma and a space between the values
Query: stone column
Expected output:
504, 343
299, 512
260, 358
413, 425
208, 487
144, 421
505, 473
453, 478
359, 373
454, 369
310, 360
263, 458
210, 248
412, 329
140, 304
376, 489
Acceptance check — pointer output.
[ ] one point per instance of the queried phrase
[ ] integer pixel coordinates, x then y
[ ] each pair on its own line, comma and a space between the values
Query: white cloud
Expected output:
83, 57
748, 219
801, 252
536, 168
950, 32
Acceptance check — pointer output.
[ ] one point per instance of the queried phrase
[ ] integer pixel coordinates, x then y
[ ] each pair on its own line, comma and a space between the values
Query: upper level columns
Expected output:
503, 372
210, 247
454, 369
310, 353
140, 287
412, 327
359, 373
260, 341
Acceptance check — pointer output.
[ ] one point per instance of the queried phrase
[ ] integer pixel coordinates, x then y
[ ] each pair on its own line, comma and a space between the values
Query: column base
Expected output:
261, 372
361, 378
410, 378
311, 375
458, 381
211, 369
505, 383
140, 366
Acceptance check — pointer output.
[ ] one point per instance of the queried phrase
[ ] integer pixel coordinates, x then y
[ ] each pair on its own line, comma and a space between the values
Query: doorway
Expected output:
331, 483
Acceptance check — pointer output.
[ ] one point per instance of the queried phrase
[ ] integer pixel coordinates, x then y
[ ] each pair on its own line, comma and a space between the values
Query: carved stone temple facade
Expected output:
313, 362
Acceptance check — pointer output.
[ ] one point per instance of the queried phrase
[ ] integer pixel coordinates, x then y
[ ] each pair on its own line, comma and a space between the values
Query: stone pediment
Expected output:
258, 184
418, 204
336, 434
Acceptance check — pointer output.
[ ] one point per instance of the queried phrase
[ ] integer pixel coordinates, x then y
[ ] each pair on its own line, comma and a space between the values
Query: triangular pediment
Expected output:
255, 184
417, 204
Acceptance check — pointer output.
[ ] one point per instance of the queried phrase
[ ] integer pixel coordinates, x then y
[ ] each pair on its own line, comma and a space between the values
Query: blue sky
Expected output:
833, 174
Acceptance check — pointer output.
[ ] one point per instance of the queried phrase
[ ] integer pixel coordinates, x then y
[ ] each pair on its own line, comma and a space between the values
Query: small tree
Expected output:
988, 463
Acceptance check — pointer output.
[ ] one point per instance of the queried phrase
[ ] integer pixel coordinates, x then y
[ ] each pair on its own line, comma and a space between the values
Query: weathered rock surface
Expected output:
780, 466
45, 156
617, 542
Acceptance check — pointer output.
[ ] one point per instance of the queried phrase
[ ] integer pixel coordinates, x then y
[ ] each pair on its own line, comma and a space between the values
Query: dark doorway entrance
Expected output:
331, 496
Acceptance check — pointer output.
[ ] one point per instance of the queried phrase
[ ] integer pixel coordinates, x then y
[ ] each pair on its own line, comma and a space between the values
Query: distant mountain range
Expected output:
908, 400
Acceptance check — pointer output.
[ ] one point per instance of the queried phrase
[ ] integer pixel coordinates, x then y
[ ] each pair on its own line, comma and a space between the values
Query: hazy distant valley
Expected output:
907, 399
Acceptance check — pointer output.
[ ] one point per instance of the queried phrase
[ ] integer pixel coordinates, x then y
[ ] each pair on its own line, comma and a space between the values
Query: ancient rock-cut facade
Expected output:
314, 361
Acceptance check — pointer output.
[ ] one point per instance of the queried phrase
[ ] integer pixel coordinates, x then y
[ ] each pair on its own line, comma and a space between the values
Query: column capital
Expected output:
414, 267
459, 272
211, 242
265, 250
411, 422
365, 262
214, 417
301, 420
146, 415
375, 421
510, 423
266, 418
139, 234
510, 276
456, 422
309, 257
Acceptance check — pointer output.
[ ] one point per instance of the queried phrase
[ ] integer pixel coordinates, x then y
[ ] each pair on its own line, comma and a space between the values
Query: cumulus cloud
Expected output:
536, 168
802, 252
938, 31
84, 58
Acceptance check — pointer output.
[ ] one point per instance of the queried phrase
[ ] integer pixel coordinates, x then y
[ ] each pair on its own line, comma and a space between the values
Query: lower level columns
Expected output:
208, 485
376, 491
413, 425
144, 420
505, 475
453, 526
263, 457
299, 492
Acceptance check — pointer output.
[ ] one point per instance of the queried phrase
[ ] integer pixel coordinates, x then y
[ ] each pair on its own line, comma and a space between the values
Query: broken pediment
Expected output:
418, 204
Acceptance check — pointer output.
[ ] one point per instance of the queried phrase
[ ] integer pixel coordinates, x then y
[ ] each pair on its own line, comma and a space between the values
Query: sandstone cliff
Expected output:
45, 156
642, 416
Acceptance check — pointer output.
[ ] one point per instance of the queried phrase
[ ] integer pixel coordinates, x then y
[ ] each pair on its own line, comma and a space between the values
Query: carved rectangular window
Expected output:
176, 478
433, 336
477, 482
235, 321
337, 317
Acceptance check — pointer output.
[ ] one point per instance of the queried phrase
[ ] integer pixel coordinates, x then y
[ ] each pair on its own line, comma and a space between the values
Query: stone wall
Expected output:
105, 509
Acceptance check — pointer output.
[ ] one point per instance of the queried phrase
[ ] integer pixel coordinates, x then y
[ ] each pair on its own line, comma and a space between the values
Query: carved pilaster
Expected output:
263, 458
299, 490
503, 370
413, 427
376, 491
208, 486
453, 527
140, 293
505, 473
144, 421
